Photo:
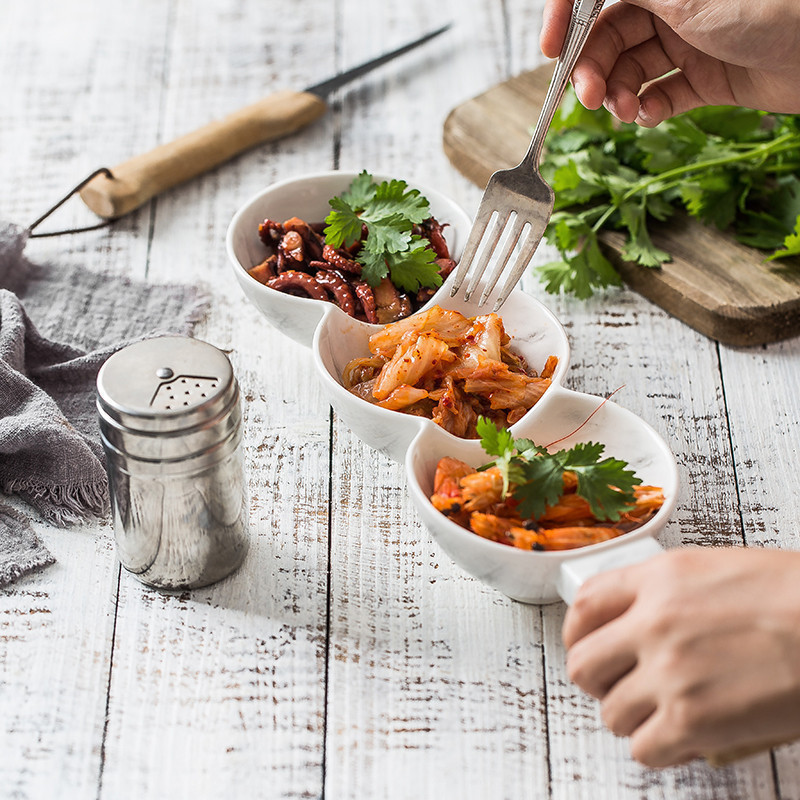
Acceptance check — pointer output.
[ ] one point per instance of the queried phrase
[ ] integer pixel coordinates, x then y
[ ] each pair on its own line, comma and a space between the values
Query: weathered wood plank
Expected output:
55, 637
762, 391
76, 96
234, 675
435, 681
59, 75
618, 342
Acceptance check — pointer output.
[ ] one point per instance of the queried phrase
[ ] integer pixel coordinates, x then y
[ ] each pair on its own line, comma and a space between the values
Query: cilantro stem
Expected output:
778, 169
606, 214
789, 141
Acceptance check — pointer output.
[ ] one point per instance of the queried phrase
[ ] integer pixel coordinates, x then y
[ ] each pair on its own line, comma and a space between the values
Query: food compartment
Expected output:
535, 334
308, 199
570, 417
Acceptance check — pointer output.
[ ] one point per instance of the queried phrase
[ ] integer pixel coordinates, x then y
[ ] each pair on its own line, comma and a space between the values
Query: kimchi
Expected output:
449, 368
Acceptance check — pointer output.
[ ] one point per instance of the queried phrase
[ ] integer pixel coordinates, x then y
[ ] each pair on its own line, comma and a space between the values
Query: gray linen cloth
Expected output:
58, 324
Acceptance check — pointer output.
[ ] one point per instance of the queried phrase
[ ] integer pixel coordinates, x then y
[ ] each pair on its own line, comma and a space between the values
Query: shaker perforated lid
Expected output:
166, 384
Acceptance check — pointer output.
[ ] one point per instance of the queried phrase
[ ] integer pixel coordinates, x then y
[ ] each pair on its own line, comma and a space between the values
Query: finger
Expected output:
659, 742
635, 68
628, 703
601, 599
555, 20
665, 98
601, 658
619, 28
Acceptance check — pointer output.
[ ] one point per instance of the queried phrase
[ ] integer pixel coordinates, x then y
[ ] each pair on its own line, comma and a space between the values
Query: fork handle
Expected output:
584, 14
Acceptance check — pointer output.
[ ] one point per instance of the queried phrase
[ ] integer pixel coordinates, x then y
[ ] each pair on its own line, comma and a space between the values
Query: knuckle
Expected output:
579, 670
587, 600
660, 622
613, 719
644, 753
684, 716
674, 566
583, 602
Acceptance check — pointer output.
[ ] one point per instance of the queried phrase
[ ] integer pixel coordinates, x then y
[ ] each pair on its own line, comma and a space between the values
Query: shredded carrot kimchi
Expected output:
475, 500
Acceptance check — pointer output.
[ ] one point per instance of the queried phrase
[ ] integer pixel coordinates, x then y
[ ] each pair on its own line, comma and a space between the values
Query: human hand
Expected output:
694, 652
647, 60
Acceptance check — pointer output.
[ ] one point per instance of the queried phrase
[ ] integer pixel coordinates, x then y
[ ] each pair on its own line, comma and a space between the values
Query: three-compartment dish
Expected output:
559, 416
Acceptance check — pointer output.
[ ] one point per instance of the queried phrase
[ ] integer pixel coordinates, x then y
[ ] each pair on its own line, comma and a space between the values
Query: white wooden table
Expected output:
348, 658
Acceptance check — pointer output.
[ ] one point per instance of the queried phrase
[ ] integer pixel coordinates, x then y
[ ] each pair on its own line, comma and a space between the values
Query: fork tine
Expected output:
470, 248
515, 227
478, 267
524, 257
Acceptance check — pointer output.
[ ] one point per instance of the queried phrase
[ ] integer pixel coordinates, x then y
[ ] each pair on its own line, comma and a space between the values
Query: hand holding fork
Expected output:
518, 201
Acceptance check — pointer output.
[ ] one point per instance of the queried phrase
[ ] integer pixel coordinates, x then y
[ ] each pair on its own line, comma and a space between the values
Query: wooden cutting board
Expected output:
714, 284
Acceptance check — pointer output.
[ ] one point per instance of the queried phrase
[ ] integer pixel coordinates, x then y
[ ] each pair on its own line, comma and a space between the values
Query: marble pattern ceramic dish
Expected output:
561, 415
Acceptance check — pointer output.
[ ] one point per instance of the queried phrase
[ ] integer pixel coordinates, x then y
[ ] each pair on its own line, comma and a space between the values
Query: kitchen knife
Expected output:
141, 178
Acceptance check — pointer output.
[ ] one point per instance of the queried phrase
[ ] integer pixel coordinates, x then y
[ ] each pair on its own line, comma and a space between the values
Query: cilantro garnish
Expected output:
734, 168
537, 475
389, 210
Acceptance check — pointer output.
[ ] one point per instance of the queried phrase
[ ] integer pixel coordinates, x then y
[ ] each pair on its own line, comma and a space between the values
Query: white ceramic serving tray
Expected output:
562, 417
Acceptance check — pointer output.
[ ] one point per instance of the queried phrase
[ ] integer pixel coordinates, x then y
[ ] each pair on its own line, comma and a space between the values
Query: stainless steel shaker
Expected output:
170, 423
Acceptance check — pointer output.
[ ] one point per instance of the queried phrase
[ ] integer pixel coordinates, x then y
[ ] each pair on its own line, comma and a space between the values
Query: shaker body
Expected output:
176, 474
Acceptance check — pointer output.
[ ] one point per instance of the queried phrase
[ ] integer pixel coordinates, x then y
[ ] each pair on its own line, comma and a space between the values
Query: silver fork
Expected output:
518, 200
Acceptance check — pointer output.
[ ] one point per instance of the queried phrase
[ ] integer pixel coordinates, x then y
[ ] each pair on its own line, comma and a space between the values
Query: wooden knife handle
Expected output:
137, 180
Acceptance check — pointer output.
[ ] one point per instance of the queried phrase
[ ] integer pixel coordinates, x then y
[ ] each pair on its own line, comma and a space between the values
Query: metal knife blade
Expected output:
324, 88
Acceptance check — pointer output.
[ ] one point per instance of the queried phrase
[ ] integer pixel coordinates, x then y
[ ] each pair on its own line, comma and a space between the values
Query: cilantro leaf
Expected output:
639, 246
785, 199
712, 198
343, 225
415, 267
671, 144
581, 272
497, 442
738, 124
543, 486
373, 267
734, 168
390, 234
582, 454
389, 211
607, 486
537, 475
527, 448
575, 181
394, 197
566, 231
360, 192
791, 245
762, 231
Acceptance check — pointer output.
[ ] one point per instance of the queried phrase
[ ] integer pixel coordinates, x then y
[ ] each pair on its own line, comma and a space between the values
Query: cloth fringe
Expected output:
64, 505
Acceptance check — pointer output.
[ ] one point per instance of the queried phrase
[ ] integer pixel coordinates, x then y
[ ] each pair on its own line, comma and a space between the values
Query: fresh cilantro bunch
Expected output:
537, 475
389, 210
734, 168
